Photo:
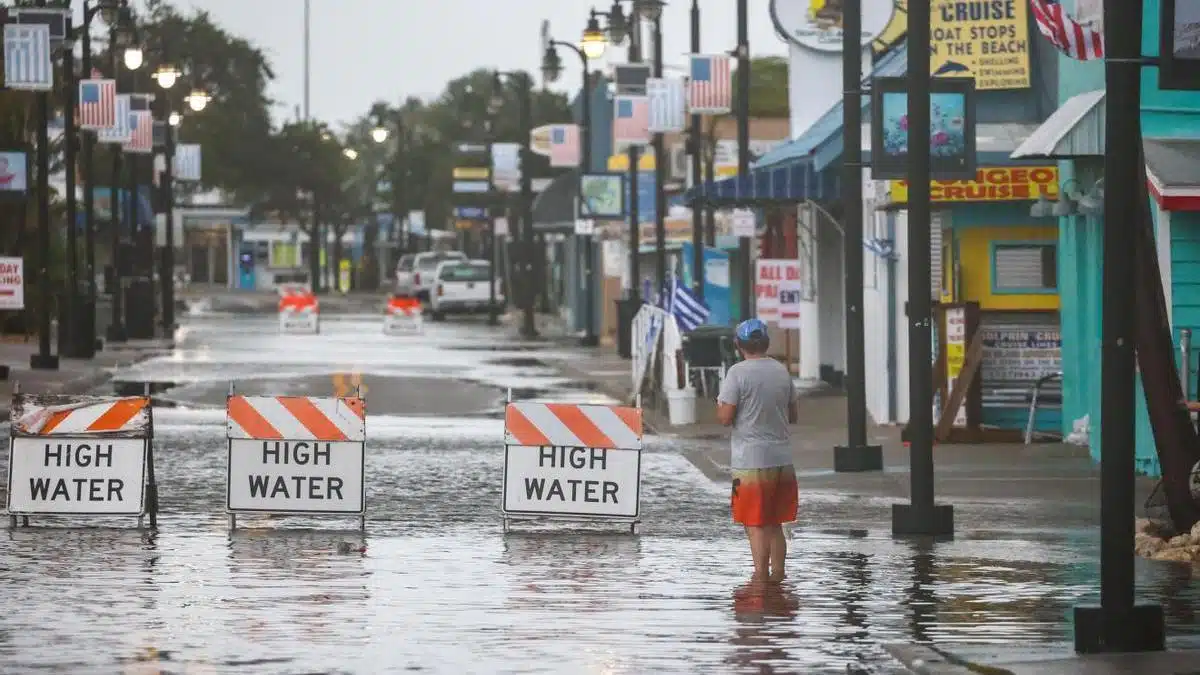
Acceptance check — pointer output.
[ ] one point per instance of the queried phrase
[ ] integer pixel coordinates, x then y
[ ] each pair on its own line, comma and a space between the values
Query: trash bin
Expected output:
626, 311
139, 309
709, 347
76, 333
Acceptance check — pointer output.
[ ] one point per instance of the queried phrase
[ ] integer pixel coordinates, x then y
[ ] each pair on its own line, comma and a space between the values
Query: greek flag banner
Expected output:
27, 60
667, 104
187, 162
689, 311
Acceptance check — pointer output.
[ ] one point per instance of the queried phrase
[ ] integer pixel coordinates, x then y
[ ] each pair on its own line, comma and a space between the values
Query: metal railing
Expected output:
1035, 394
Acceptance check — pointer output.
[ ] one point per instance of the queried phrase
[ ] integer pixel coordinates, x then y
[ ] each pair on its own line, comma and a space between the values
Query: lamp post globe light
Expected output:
174, 119
166, 76
618, 23
198, 100
594, 41
551, 64
134, 57
350, 153
380, 134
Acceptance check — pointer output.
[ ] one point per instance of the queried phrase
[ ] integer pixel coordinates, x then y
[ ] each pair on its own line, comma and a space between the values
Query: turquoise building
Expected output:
1074, 135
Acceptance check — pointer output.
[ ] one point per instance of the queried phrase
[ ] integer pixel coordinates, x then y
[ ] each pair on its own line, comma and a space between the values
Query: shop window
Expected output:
1025, 267
283, 254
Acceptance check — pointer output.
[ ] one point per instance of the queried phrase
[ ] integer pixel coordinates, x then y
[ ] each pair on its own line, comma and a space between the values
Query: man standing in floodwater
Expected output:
758, 399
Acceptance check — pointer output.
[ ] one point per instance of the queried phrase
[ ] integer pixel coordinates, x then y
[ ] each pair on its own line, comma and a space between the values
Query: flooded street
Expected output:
441, 588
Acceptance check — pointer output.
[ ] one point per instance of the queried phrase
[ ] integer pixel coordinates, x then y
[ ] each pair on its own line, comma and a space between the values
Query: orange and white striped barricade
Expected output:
402, 316
296, 455
299, 313
572, 462
81, 456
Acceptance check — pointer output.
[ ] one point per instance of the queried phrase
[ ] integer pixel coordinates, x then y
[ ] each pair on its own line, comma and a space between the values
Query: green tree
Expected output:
235, 128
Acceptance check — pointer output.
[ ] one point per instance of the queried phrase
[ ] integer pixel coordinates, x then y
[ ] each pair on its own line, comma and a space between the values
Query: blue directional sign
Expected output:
470, 213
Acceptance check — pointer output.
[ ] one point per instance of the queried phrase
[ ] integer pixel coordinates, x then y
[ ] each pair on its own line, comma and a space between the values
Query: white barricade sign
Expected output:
576, 462
296, 455
80, 455
402, 316
299, 313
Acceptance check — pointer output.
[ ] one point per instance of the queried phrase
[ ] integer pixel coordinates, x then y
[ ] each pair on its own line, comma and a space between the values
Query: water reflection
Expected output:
919, 599
765, 634
566, 569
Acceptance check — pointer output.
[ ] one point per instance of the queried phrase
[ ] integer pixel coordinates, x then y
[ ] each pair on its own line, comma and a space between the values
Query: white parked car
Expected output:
462, 287
424, 270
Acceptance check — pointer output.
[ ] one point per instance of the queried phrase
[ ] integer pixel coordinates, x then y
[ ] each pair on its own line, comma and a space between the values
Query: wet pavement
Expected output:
441, 588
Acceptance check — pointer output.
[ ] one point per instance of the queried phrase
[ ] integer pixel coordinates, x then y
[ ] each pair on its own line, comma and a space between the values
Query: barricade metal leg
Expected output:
12, 522
633, 528
362, 523
232, 522
504, 524
24, 521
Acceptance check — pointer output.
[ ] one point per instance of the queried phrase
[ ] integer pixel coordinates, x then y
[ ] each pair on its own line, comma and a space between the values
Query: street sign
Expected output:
743, 223
78, 455
471, 186
470, 148
471, 173
585, 227
12, 283
470, 212
572, 461
501, 225
296, 454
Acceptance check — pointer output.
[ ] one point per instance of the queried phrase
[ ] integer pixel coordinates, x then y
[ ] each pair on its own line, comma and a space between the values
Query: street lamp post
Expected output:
116, 326
652, 10
167, 76
84, 328
593, 45
524, 83
695, 138
494, 104
743, 132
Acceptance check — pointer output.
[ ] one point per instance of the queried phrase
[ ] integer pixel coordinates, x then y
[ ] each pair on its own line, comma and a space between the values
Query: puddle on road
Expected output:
518, 362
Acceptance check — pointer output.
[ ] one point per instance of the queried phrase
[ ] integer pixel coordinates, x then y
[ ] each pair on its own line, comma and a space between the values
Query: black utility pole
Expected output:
660, 176
167, 273
856, 455
1119, 625
85, 328
697, 143
116, 327
635, 222
43, 359
743, 131
69, 320
590, 338
314, 244
528, 322
921, 516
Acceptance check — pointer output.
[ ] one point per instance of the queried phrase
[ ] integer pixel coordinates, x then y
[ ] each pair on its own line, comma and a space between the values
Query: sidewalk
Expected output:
74, 376
923, 660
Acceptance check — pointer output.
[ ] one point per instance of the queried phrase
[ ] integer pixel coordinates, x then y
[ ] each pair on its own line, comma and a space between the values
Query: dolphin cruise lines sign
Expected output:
984, 39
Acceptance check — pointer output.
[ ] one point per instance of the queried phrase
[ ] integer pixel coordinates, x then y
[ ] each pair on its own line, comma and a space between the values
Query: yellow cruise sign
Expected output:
471, 173
986, 40
991, 184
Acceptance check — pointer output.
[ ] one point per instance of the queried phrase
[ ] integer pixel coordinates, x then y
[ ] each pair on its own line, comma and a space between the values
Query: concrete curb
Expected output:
923, 660
87, 381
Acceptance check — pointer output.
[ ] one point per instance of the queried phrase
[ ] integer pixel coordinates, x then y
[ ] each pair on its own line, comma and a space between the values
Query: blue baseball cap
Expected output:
751, 329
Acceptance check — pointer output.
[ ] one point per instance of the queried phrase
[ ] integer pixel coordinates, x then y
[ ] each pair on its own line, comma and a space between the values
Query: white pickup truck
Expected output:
415, 273
462, 287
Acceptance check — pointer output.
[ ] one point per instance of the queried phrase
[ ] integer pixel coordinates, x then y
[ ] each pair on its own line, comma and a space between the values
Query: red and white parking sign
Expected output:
12, 283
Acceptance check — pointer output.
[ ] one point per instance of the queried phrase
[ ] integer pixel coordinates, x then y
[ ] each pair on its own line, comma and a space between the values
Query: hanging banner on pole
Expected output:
27, 58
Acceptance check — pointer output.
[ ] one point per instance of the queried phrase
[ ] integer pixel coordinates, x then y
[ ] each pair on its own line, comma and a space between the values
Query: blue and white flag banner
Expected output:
187, 162
668, 106
27, 60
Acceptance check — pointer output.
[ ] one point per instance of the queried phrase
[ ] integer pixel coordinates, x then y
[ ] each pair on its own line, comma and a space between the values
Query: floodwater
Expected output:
441, 588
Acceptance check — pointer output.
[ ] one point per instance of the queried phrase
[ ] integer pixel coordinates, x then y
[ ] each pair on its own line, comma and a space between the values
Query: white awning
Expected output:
1076, 129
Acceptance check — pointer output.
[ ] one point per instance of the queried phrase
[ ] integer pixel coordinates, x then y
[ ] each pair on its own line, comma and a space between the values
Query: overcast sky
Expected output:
364, 50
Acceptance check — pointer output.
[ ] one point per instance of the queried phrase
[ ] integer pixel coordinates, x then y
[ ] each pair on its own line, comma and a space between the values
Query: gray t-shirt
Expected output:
762, 390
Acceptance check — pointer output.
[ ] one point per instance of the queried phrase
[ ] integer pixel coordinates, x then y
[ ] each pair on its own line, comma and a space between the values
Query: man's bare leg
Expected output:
777, 542
760, 551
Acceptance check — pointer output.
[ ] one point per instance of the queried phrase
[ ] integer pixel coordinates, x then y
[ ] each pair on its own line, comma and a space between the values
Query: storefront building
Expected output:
1074, 135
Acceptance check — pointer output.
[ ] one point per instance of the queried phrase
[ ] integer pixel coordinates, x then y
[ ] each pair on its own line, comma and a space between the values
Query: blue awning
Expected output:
795, 155
774, 185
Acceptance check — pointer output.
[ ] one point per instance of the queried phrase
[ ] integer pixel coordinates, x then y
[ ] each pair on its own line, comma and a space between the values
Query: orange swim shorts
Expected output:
762, 497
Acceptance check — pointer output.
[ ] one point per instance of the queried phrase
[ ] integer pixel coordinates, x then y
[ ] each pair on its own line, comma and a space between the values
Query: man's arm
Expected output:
727, 399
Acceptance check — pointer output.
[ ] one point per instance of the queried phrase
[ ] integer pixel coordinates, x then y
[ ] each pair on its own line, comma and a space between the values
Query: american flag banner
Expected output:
631, 120
141, 132
564, 145
710, 87
668, 110
97, 104
1082, 43
27, 61
187, 162
119, 132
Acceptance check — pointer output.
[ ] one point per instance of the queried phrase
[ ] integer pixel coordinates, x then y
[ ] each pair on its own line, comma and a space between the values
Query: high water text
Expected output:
572, 489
